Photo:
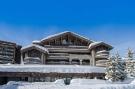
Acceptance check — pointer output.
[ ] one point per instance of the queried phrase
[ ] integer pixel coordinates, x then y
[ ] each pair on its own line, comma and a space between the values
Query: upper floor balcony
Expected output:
70, 47
78, 49
102, 54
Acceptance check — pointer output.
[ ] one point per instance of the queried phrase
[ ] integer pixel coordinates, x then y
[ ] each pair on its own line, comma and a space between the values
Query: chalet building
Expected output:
65, 55
9, 52
66, 48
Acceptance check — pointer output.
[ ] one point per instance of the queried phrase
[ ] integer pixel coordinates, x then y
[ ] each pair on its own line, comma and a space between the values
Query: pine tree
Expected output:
130, 64
111, 69
120, 68
115, 70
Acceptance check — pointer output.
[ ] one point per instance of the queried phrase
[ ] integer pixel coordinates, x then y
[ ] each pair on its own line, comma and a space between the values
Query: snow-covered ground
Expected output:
87, 84
98, 81
50, 68
59, 84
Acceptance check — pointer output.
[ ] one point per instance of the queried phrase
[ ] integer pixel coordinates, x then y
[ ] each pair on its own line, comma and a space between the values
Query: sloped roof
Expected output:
34, 46
66, 32
95, 44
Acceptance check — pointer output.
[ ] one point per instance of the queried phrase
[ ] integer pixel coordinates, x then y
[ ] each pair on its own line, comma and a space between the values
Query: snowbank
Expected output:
52, 68
103, 86
87, 82
133, 82
97, 81
84, 84
98, 86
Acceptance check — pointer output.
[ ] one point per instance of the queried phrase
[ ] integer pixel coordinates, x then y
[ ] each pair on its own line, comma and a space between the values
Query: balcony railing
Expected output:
102, 54
70, 47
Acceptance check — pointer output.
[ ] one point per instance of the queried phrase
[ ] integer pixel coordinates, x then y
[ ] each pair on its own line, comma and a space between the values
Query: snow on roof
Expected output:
95, 44
75, 34
51, 68
104, 51
36, 41
34, 46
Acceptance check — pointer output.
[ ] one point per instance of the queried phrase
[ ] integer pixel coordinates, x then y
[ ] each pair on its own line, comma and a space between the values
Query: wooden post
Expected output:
26, 54
42, 58
93, 57
76, 41
70, 61
22, 63
54, 41
61, 40
45, 57
81, 62
90, 61
68, 39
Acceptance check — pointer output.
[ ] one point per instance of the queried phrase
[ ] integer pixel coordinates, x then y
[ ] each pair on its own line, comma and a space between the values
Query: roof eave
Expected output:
65, 32
33, 47
101, 43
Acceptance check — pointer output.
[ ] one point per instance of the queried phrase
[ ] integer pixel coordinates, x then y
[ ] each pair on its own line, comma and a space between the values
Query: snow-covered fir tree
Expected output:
120, 68
110, 69
115, 70
130, 64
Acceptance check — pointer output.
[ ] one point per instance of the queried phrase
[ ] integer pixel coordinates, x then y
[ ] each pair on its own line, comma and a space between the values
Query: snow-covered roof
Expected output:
95, 44
36, 42
51, 68
65, 32
34, 46
103, 51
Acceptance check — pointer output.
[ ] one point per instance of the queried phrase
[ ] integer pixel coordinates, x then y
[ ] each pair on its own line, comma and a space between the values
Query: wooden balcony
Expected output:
57, 57
58, 54
67, 50
69, 47
102, 54
101, 63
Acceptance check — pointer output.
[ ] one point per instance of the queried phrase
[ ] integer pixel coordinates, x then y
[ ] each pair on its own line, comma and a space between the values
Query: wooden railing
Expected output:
80, 47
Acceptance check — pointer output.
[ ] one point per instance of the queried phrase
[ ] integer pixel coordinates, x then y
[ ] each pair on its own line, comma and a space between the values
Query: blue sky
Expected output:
112, 21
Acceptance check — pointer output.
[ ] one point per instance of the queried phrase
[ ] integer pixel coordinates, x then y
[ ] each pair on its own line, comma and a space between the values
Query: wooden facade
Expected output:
9, 52
67, 48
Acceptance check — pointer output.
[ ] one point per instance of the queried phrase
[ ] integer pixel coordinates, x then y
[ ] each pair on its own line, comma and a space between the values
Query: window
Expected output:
76, 61
86, 62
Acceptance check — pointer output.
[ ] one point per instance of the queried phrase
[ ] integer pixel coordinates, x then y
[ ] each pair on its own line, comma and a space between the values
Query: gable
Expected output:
34, 46
100, 45
66, 38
